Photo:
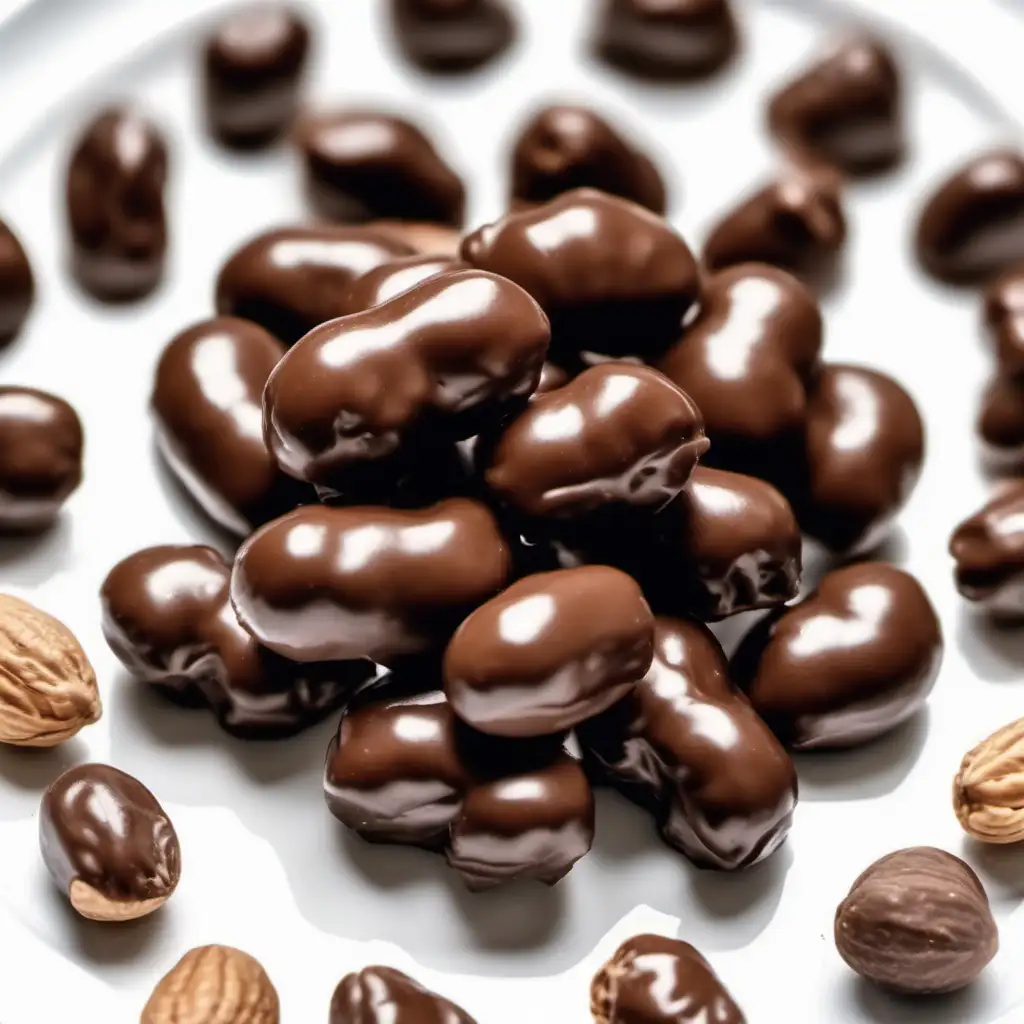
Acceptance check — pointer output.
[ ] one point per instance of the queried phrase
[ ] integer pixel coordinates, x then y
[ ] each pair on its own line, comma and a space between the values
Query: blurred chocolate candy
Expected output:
1001, 421
421, 236
452, 36
382, 995
1004, 319
17, 284
394, 277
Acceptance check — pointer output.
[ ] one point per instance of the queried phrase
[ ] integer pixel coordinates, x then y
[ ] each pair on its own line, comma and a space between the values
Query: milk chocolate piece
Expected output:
382, 995
40, 457
847, 664
339, 583
845, 109
452, 36
292, 279
551, 378
687, 745
670, 40
422, 236
917, 922
562, 148
17, 284
972, 226
253, 64
1004, 319
167, 617
552, 650
108, 844
652, 979
207, 400
615, 279
795, 222
361, 166
616, 434
394, 277
436, 363
115, 205
747, 360
1001, 420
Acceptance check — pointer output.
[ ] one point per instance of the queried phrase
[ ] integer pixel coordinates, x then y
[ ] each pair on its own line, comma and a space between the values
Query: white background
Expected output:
265, 866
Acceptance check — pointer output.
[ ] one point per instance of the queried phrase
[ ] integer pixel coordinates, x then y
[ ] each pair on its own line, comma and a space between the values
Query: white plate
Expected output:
266, 867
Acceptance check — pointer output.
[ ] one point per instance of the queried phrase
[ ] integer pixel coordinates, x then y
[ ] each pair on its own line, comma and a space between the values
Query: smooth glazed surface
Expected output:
382, 995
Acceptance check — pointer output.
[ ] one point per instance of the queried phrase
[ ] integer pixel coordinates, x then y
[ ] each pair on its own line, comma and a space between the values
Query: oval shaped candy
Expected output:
382, 995
394, 277
452, 36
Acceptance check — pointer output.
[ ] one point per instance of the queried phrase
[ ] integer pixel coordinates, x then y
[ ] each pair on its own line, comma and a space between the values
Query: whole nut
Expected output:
214, 985
47, 686
988, 791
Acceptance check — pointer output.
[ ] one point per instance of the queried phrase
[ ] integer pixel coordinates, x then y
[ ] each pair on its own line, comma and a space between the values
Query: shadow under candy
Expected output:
30, 770
994, 649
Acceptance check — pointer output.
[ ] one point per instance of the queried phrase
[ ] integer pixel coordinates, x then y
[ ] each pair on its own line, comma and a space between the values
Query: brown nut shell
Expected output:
988, 791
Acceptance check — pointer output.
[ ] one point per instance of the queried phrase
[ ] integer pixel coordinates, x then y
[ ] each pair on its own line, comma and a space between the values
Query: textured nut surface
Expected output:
214, 985
47, 686
988, 791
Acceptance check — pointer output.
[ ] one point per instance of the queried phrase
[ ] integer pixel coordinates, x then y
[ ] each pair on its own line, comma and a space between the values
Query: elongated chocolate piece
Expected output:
291, 279
108, 844
382, 995
562, 148
845, 108
687, 745
362, 165
382, 283
253, 65
17, 284
847, 664
452, 36
167, 617
115, 205
972, 226
208, 404
436, 363
653, 979
1004, 319
671, 40
338, 583
615, 279
422, 236
1001, 420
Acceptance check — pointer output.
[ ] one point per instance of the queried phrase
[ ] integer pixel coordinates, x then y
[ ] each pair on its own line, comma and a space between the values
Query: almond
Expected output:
988, 791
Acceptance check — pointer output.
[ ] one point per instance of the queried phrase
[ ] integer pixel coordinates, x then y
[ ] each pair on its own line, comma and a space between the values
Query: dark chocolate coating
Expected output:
848, 663
614, 278
394, 277
972, 226
1004, 319
382, 995
668, 40
988, 549
1001, 420
17, 284
115, 205
917, 922
747, 360
253, 64
167, 617
338, 583
795, 222
421, 236
292, 279
208, 404
616, 434
104, 829
451, 36
687, 745
40, 457
652, 979
552, 650
845, 109
361, 166
438, 362
562, 148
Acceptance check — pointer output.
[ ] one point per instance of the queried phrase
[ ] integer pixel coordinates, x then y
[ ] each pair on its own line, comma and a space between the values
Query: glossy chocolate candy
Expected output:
166, 615
614, 279
436, 363
972, 226
115, 205
40, 457
553, 649
207, 400
747, 360
291, 279
1004, 319
253, 64
845, 109
687, 745
616, 434
847, 664
452, 36
17, 284
1001, 421
421, 236
362, 165
382, 995
653, 979
394, 277
671, 40
108, 844
562, 148
338, 583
